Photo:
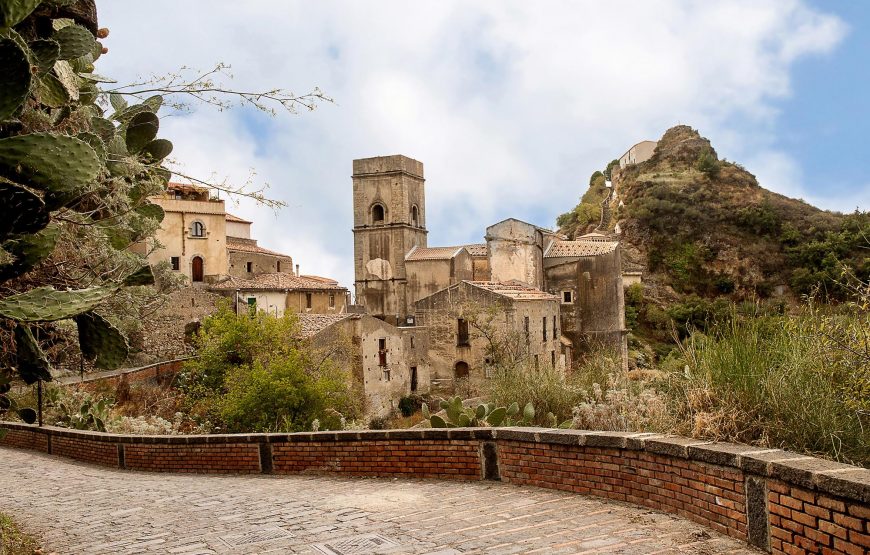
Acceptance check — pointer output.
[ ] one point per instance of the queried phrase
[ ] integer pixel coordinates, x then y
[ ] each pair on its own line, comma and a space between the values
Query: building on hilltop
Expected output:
522, 269
641, 152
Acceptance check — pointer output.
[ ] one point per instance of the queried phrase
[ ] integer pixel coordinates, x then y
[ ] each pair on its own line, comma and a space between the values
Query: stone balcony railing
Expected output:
779, 501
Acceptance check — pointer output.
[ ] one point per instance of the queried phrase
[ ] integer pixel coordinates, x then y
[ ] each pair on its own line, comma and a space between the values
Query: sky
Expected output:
510, 105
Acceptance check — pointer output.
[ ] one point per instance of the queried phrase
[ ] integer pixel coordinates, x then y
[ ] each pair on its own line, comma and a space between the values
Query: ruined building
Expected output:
557, 295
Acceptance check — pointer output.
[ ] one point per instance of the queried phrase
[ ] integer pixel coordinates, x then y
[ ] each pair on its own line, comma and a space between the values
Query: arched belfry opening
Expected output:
378, 214
415, 216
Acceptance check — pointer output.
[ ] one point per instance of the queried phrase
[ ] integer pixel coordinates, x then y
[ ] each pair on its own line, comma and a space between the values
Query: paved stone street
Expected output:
79, 508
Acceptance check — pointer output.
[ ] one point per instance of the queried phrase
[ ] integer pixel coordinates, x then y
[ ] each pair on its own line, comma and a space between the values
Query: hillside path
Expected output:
78, 508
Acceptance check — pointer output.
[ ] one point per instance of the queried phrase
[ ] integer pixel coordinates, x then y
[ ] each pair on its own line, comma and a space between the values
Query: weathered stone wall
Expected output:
297, 301
516, 252
778, 501
396, 184
426, 277
163, 324
174, 235
261, 263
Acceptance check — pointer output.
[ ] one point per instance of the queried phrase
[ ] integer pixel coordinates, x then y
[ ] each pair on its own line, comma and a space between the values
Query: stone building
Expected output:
472, 322
277, 293
388, 362
400, 279
641, 152
246, 258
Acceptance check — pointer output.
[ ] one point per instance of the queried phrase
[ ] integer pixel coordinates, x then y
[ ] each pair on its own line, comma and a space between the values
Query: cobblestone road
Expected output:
78, 508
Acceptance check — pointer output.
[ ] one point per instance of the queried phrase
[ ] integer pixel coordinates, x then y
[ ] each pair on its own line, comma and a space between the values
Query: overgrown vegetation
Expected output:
13, 541
588, 211
254, 374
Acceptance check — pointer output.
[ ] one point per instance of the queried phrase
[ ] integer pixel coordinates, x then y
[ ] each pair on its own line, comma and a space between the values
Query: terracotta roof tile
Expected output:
433, 253
568, 249
312, 324
234, 218
515, 290
250, 245
278, 282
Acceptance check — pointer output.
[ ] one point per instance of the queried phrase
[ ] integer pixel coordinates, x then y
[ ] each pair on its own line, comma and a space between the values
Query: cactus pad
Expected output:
30, 358
45, 304
142, 276
51, 92
152, 211
118, 102
14, 78
101, 342
104, 128
12, 12
141, 130
44, 52
20, 211
74, 41
95, 143
28, 251
68, 78
28, 415
158, 149
51, 162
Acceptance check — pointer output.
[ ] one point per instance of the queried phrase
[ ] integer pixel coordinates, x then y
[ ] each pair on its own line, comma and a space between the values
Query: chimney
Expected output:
297, 271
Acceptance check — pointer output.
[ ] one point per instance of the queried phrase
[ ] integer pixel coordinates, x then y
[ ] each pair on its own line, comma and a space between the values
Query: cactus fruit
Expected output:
47, 161
44, 53
142, 276
45, 304
141, 130
30, 359
12, 12
20, 211
74, 41
14, 78
28, 251
100, 341
158, 149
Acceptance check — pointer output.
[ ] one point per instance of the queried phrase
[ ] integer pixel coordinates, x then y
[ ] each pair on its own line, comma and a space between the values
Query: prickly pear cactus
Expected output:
485, 414
75, 177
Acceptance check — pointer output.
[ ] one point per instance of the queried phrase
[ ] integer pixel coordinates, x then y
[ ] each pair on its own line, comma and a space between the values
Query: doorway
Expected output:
460, 370
196, 269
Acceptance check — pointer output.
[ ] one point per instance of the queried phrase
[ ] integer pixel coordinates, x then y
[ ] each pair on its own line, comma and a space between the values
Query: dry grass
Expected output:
15, 542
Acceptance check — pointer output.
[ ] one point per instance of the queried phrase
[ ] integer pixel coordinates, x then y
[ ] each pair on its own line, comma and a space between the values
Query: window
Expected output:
252, 305
412, 341
567, 297
176, 263
415, 217
278, 266
197, 229
544, 328
461, 333
332, 300
526, 327
537, 366
413, 379
553, 358
555, 328
307, 300
249, 267
382, 354
378, 214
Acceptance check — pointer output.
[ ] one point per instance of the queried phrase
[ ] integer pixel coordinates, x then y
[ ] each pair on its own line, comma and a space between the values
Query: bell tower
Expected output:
389, 219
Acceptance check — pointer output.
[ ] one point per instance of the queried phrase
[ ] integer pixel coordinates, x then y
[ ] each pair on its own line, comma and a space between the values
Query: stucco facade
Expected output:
277, 293
641, 152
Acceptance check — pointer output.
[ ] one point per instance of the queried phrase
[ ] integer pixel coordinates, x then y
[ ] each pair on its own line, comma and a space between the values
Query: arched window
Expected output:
415, 216
197, 229
378, 214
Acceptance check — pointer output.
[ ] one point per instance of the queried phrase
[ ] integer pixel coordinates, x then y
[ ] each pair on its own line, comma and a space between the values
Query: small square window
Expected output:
176, 263
567, 297
249, 267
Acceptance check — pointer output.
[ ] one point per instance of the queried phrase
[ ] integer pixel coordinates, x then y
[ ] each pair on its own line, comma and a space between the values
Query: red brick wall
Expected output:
781, 501
86, 450
457, 459
708, 494
219, 458
803, 521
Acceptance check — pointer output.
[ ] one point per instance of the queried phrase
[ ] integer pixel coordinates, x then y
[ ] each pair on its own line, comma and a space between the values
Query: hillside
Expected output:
706, 234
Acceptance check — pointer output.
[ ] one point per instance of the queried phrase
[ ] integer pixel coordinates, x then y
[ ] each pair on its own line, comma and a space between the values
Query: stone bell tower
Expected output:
389, 219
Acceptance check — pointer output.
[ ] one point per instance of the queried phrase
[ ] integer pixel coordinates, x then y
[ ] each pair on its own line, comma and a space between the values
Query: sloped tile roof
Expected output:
278, 282
433, 253
515, 290
250, 245
312, 324
233, 218
567, 249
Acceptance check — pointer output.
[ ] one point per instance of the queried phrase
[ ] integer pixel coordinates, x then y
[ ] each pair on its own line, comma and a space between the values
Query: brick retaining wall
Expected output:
158, 372
779, 501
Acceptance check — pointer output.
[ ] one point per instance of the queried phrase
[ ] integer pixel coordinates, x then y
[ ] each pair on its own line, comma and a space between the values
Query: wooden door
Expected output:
196, 268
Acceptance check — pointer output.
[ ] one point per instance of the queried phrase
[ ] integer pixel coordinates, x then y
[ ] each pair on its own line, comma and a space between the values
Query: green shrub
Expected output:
708, 163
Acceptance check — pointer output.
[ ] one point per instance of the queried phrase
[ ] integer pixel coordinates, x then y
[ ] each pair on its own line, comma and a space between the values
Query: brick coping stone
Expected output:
774, 500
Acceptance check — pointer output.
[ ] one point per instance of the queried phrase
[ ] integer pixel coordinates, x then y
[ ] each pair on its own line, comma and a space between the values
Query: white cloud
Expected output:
510, 105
